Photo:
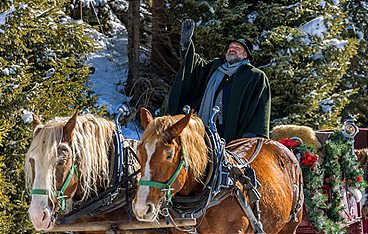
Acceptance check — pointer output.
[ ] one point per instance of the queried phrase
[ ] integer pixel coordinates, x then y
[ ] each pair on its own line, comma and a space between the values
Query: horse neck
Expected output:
197, 159
191, 187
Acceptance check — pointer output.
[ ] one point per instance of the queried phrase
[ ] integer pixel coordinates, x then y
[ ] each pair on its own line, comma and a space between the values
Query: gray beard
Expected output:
233, 58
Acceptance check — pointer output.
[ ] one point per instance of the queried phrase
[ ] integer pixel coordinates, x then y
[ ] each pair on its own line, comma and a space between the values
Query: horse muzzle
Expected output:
40, 214
144, 212
42, 220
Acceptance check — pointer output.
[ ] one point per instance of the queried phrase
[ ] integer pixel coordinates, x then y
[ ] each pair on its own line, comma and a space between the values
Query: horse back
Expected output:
280, 177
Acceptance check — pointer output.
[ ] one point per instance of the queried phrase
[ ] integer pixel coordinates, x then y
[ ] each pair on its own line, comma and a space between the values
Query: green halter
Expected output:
60, 194
167, 186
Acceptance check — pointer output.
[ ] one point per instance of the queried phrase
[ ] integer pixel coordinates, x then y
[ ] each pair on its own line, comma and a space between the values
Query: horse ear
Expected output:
146, 117
68, 129
36, 121
175, 130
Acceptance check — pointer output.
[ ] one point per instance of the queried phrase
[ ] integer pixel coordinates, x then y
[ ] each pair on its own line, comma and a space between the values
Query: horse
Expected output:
70, 159
167, 140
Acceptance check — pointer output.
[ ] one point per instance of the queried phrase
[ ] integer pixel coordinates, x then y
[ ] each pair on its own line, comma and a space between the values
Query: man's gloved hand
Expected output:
187, 29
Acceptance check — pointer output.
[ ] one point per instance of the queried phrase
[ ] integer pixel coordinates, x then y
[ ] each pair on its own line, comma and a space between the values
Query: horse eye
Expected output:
170, 154
63, 151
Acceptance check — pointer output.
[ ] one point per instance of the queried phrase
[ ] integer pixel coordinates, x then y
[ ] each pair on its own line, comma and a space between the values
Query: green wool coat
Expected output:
246, 95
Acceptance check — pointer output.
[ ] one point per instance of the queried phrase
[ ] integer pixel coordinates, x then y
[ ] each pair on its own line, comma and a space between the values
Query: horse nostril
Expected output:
44, 215
151, 208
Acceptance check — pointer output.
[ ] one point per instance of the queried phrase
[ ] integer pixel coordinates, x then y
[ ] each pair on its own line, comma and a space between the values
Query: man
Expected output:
240, 90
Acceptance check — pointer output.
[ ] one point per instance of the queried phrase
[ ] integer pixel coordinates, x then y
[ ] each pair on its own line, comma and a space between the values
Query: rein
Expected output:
60, 194
166, 187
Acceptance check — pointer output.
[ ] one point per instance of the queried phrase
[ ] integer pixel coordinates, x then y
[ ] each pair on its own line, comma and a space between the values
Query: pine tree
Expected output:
42, 70
308, 59
357, 74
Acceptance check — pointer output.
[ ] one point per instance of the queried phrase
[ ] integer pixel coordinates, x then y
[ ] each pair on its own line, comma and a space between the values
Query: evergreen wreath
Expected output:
339, 158
341, 166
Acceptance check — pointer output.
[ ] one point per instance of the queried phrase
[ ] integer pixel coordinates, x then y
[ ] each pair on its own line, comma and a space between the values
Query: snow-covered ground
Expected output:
111, 71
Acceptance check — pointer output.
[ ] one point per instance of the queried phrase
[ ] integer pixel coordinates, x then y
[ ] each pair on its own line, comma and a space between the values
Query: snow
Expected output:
27, 116
252, 17
111, 69
49, 73
212, 10
88, 3
4, 15
340, 44
364, 4
315, 27
322, 4
326, 105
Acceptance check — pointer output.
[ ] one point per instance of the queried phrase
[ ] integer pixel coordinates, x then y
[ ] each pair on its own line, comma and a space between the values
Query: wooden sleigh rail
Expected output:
119, 225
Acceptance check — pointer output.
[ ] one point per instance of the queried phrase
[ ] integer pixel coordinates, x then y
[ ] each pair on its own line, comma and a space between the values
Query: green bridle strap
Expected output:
167, 186
60, 194
39, 192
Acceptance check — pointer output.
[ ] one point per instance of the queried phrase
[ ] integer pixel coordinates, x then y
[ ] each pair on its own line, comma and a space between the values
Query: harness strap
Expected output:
257, 150
105, 198
260, 141
246, 175
256, 224
60, 194
298, 205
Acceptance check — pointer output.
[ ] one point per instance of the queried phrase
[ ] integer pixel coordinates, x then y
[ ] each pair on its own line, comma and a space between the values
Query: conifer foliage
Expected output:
307, 58
357, 74
314, 53
42, 70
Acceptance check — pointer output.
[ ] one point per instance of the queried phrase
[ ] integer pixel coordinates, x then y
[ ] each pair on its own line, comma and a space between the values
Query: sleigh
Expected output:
354, 221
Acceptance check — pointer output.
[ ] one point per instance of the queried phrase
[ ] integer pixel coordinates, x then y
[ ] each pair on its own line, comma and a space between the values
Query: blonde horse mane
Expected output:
92, 142
192, 139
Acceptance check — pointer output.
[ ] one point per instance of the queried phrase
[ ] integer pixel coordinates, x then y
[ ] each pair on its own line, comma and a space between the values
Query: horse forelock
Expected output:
191, 139
43, 150
92, 145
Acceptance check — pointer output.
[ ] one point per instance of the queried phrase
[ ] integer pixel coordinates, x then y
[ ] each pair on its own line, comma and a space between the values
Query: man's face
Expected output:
235, 53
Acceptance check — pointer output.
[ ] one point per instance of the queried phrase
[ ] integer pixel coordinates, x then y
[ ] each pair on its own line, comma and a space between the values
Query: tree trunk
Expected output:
133, 43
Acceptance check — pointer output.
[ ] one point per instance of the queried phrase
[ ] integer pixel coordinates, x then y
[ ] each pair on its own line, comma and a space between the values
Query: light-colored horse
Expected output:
69, 159
168, 140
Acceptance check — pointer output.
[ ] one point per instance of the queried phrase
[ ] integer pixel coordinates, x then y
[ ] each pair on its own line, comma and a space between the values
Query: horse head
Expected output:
165, 161
68, 158
54, 175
